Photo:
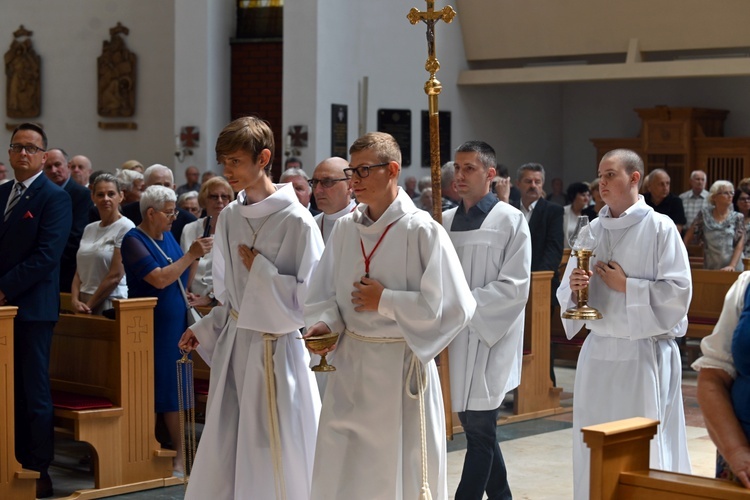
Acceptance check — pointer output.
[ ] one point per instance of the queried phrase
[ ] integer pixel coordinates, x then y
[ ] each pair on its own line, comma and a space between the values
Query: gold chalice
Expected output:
582, 243
322, 342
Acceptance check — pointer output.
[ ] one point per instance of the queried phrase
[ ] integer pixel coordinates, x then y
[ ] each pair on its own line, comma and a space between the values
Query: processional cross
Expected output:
432, 88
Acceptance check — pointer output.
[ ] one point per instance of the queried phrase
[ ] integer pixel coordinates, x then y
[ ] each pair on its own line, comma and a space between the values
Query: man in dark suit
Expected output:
545, 221
57, 169
33, 231
545, 225
159, 175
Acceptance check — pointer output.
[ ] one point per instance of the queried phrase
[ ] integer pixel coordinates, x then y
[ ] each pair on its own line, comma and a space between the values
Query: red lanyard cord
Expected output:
368, 258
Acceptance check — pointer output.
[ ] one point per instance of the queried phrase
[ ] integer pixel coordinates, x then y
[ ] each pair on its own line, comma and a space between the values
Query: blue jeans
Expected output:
484, 468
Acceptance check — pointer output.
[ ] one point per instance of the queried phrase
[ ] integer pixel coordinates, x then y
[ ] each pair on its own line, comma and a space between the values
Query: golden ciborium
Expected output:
582, 248
322, 342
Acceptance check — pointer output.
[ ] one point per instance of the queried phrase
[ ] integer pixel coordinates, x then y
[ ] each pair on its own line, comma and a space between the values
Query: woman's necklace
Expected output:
255, 233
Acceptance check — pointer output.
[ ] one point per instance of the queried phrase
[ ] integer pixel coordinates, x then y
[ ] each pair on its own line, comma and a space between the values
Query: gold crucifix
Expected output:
432, 88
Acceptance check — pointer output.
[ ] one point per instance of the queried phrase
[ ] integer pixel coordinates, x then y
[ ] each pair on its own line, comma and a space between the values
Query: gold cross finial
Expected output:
430, 17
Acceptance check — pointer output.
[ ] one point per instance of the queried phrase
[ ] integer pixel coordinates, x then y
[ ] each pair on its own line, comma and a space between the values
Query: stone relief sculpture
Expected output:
23, 71
117, 76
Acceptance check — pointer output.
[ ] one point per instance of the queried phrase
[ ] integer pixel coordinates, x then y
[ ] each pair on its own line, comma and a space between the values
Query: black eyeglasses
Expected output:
362, 171
327, 183
30, 148
215, 197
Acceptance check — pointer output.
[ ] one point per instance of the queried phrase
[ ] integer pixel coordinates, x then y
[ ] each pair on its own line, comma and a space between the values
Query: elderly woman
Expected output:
579, 196
132, 185
100, 275
154, 263
719, 229
724, 384
216, 193
189, 202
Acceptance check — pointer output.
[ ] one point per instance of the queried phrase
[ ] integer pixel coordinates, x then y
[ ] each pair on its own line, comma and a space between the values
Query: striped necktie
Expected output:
17, 193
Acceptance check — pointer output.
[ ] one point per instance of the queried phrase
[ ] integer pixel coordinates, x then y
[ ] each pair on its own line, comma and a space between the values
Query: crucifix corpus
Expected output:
432, 88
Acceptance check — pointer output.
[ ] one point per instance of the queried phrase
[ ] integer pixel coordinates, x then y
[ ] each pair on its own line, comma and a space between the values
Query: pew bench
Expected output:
535, 397
709, 290
102, 377
620, 467
15, 482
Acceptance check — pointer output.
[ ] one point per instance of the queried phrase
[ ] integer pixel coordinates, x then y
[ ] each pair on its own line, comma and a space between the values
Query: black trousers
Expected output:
484, 468
33, 412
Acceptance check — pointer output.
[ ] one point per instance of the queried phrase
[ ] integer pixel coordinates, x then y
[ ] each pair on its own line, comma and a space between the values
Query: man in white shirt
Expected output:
391, 284
694, 199
630, 365
333, 194
494, 246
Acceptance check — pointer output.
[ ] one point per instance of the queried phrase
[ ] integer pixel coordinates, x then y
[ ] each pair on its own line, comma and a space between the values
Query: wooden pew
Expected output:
709, 289
15, 482
535, 397
94, 357
620, 467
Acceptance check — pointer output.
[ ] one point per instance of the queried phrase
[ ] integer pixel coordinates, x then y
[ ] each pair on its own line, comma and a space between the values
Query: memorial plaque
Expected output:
339, 123
397, 122
444, 117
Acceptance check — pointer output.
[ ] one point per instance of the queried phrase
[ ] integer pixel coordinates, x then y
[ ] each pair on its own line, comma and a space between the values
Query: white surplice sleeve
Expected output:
501, 301
567, 299
717, 347
208, 329
321, 304
273, 300
433, 315
659, 305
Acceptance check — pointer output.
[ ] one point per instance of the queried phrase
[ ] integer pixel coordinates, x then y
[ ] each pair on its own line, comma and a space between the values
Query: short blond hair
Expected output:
249, 134
212, 182
384, 146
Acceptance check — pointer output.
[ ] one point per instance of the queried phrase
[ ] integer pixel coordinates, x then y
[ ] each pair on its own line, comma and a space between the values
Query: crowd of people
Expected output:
348, 251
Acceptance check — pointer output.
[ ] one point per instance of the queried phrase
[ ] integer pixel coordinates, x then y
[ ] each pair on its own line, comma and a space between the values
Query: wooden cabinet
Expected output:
681, 140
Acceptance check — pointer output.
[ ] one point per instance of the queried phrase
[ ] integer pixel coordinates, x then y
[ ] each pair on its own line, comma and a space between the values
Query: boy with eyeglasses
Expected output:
391, 285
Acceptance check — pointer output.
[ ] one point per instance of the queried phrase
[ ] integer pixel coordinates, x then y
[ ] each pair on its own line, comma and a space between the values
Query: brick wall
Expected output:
256, 87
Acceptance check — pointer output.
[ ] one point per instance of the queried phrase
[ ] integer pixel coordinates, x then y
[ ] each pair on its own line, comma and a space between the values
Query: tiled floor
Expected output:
537, 453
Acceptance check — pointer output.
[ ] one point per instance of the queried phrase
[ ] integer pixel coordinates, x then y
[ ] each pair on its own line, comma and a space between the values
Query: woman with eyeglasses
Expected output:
100, 275
154, 262
215, 194
719, 229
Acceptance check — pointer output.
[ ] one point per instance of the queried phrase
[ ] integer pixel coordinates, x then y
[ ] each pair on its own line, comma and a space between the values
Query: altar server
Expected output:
390, 282
263, 406
630, 364
494, 246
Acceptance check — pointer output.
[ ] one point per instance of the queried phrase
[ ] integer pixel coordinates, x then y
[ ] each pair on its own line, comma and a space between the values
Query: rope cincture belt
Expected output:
415, 369
273, 411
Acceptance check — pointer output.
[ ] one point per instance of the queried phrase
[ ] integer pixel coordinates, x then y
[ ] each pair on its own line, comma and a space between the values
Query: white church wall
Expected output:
68, 36
183, 75
202, 76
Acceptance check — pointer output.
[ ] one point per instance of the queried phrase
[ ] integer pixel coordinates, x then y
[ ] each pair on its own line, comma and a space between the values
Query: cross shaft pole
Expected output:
432, 88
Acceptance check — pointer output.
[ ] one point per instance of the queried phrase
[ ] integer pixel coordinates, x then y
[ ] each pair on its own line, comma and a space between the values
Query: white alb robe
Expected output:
485, 358
369, 442
234, 460
326, 221
630, 365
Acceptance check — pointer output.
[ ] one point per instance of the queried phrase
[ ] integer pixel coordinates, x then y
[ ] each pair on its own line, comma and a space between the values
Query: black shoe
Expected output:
44, 487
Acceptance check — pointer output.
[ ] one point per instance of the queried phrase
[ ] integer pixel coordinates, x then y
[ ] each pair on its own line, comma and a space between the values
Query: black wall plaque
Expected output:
339, 123
446, 154
397, 122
